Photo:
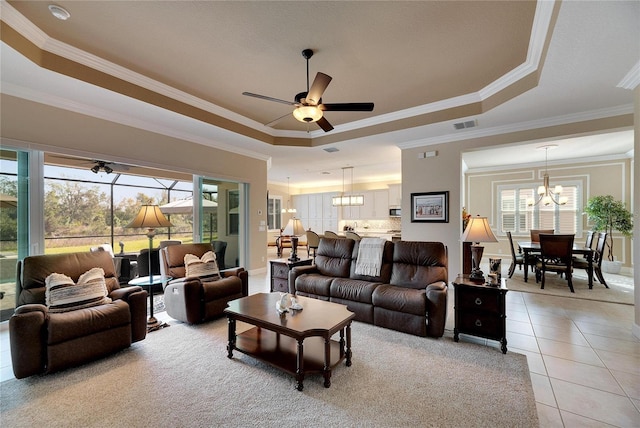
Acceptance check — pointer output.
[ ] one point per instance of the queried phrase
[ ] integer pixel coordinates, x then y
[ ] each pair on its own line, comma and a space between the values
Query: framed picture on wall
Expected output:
430, 207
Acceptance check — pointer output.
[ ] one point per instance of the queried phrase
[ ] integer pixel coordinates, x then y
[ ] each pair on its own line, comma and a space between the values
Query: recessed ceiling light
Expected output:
59, 12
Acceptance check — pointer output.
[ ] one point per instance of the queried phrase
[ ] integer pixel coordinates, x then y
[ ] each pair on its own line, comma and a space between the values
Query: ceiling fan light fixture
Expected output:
307, 114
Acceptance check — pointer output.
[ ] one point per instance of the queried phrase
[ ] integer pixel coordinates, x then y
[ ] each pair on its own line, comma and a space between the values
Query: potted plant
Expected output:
607, 214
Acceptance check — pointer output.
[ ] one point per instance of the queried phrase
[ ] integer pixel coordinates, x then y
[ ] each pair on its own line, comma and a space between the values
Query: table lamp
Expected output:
477, 231
294, 229
150, 217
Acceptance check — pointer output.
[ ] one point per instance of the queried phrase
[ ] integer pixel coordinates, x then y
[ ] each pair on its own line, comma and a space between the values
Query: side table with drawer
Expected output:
280, 272
480, 310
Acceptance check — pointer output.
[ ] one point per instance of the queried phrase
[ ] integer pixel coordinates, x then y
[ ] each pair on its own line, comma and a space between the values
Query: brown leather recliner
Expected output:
191, 300
44, 342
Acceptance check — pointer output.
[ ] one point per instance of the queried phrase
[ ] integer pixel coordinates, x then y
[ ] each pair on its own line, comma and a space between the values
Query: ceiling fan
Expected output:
309, 106
96, 165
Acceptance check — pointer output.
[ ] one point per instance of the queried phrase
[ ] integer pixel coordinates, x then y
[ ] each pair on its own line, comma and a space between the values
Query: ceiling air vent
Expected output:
331, 150
465, 125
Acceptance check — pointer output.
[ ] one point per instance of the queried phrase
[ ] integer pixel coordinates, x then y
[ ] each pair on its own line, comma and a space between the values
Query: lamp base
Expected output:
476, 255
477, 275
294, 248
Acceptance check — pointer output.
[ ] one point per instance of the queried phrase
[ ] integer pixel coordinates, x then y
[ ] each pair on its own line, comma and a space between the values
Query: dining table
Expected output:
529, 248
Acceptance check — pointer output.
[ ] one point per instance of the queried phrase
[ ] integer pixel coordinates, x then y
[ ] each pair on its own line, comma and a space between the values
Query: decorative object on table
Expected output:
150, 217
295, 305
294, 229
607, 215
477, 231
495, 269
546, 195
430, 207
465, 218
283, 304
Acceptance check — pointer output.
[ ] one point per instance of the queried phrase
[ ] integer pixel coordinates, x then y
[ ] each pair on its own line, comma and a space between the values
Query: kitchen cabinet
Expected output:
301, 204
395, 195
376, 205
316, 211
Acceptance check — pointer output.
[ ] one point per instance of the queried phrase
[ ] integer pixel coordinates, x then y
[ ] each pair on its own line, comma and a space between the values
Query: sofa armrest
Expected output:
136, 297
436, 308
27, 330
298, 271
183, 298
242, 274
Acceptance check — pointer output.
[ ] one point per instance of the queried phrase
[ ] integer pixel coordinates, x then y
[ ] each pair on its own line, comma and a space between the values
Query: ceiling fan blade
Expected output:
318, 87
264, 97
347, 107
324, 124
273, 122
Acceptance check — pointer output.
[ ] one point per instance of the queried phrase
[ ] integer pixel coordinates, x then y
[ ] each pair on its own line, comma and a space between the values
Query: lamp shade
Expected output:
294, 228
478, 230
150, 217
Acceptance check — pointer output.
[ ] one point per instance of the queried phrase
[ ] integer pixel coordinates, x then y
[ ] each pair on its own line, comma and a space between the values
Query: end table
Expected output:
280, 272
480, 310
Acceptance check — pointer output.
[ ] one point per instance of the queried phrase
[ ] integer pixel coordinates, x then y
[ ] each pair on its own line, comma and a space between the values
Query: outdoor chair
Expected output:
555, 256
220, 248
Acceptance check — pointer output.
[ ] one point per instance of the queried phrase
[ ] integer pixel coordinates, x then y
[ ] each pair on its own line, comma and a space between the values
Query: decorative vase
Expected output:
611, 266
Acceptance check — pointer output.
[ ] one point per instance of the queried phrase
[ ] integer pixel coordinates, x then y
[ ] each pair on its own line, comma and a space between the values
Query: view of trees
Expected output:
8, 216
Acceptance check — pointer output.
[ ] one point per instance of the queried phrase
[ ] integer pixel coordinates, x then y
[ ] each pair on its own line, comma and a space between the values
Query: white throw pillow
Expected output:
62, 294
204, 267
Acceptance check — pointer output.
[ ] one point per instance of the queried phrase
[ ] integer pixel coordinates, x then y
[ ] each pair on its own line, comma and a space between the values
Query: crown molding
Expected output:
522, 126
632, 79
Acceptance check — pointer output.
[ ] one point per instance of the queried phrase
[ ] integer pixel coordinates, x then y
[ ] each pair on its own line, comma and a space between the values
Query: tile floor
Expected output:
583, 360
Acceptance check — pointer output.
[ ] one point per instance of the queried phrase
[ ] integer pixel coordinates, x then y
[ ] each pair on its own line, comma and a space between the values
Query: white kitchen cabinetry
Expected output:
301, 204
395, 195
316, 211
376, 205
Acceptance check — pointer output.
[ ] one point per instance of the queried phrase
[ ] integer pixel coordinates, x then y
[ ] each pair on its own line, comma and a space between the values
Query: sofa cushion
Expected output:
88, 321
418, 264
400, 299
204, 267
62, 294
314, 284
354, 290
333, 257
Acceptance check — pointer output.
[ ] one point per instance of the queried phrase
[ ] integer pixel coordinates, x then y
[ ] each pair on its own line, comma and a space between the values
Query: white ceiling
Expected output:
375, 51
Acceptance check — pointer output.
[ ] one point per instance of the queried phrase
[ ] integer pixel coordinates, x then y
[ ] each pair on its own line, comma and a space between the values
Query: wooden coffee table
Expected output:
296, 342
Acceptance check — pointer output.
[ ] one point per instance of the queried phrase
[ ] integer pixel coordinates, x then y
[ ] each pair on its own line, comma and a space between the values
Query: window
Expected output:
274, 211
518, 218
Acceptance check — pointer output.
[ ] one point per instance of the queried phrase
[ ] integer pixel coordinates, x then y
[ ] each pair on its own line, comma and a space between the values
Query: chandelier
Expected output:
288, 209
546, 194
347, 200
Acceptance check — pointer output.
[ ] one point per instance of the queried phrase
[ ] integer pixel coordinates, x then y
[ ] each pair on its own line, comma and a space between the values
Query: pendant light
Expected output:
349, 200
546, 194
288, 209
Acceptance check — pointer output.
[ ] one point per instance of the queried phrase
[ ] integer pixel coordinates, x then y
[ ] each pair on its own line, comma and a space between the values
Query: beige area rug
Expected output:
181, 376
620, 287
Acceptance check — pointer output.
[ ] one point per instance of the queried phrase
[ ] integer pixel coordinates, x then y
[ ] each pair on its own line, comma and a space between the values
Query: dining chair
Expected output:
580, 263
313, 240
535, 234
516, 259
330, 234
555, 256
352, 235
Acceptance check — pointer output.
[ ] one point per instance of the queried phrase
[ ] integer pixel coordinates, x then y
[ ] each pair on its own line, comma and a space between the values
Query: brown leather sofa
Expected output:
192, 300
409, 295
44, 342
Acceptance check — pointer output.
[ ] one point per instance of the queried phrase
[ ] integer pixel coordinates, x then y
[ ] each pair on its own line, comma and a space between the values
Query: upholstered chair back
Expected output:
385, 269
334, 257
418, 263
172, 257
33, 271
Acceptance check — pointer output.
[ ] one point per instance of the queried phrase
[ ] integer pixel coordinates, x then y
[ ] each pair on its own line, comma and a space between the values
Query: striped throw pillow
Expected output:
62, 294
204, 267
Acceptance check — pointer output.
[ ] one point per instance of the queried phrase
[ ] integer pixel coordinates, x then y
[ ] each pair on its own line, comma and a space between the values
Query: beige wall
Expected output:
610, 177
36, 126
445, 172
